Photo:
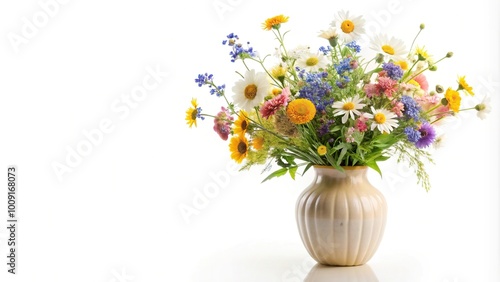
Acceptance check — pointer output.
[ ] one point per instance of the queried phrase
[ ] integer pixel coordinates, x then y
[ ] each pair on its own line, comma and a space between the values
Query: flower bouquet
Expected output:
331, 105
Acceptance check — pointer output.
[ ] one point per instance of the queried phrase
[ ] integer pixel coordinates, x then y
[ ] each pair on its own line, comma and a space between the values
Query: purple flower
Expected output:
428, 135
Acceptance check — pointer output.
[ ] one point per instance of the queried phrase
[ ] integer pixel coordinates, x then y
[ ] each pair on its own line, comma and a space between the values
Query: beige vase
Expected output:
341, 216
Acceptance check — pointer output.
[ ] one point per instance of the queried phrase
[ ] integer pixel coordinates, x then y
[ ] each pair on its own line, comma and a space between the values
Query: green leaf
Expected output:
277, 173
374, 166
308, 166
292, 170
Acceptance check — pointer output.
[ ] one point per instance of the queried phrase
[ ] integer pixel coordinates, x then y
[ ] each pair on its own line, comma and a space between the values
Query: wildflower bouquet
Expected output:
330, 105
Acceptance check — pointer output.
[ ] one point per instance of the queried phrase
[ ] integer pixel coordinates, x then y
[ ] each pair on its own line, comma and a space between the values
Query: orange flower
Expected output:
300, 111
274, 22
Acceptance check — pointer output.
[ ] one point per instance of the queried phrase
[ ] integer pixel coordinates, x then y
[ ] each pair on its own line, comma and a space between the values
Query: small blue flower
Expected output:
393, 71
411, 107
238, 51
413, 134
204, 79
344, 66
354, 46
316, 89
325, 50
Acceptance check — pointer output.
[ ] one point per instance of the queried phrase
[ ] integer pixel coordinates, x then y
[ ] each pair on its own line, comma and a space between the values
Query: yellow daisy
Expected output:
422, 54
274, 22
453, 100
241, 124
193, 113
238, 147
463, 85
300, 111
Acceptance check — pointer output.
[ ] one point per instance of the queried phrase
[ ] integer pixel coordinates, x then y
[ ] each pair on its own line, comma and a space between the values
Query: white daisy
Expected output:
328, 34
483, 108
250, 91
312, 61
348, 107
383, 120
349, 28
299, 51
391, 48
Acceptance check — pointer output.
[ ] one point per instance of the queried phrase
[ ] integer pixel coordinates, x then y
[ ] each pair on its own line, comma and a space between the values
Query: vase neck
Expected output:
349, 173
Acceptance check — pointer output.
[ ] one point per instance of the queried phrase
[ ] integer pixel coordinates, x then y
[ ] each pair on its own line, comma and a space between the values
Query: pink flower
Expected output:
371, 90
361, 123
428, 101
397, 108
422, 81
270, 107
387, 85
222, 123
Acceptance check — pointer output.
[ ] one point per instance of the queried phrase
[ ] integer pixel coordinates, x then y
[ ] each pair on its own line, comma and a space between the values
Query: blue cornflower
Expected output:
411, 107
413, 134
354, 46
393, 71
316, 89
204, 79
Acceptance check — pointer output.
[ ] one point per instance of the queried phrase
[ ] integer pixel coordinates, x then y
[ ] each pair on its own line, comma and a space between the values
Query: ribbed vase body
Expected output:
341, 216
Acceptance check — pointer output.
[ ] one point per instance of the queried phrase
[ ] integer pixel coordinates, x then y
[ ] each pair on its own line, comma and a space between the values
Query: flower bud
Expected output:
333, 41
444, 102
449, 54
480, 107
380, 58
433, 68
439, 89
422, 26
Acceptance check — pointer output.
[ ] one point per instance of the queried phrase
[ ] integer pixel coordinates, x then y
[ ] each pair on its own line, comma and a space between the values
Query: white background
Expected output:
115, 215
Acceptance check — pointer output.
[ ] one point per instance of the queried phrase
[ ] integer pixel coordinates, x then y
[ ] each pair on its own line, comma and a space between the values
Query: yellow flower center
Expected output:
388, 49
194, 113
244, 125
347, 26
250, 91
379, 118
312, 61
348, 106
242, 147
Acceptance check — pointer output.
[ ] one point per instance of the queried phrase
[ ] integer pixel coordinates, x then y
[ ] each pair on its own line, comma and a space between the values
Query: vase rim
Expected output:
354, 167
